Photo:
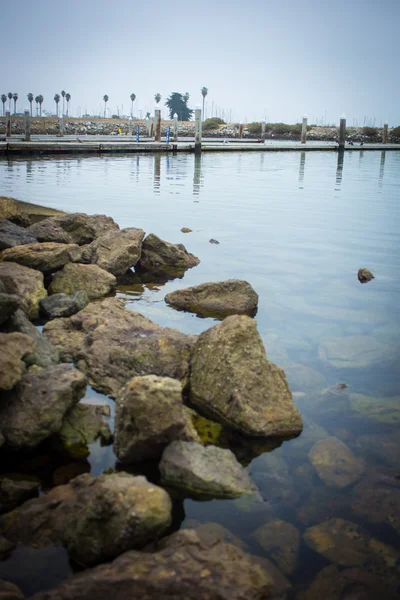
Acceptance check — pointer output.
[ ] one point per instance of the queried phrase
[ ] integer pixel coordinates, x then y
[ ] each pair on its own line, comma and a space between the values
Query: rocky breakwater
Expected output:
153, 373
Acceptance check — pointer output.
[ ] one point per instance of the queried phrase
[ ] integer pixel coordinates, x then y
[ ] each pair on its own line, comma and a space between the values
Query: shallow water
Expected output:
297, 226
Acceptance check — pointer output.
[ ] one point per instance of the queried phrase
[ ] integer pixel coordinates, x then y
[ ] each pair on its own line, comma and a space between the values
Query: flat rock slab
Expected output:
184, 567
160, 256
88, 278
379, 410
95, 518
282, 542
44, 256
335, 463
218, 299
113, 344
149, 414
36, 406
14, 346
83, 228
204, 471
232, 381
13, 235
355, 351
117, 251
62, 305
24, 282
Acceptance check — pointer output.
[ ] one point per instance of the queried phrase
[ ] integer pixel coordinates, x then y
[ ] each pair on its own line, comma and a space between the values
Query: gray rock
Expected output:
218, 299
88, 278
160, 256
83, 228
113, 344
117, 251
13, 235
45, 256
95, 518
148, 416
185, 566
15, 489
232, 381
25, 283
14, 346
8, 305
35, 408
335, 463
62, 305
43, 353
204, 471
48, 231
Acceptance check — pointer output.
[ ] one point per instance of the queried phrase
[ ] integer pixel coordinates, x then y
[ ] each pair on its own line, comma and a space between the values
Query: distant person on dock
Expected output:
119, 131
362, 140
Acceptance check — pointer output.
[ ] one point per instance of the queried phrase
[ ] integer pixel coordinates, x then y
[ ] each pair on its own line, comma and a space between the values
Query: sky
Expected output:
260, 59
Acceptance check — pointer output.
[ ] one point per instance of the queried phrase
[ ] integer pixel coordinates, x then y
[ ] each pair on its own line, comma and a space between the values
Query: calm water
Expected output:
297, 226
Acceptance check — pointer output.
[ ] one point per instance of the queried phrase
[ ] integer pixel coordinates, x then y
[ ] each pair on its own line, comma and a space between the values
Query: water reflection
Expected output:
157, 173
339, 169
382, 168
197, 174
301, 169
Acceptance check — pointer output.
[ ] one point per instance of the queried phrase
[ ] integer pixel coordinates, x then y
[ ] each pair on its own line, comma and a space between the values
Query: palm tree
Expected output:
40, 100
68, 98
30, 98
4, 100
157, 97
105, 98
204, 92
133, 98
57, 98
15, 98
10, 98
63, 96
37, 104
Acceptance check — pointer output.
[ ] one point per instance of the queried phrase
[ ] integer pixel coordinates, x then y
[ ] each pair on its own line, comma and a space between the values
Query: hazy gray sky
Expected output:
260, 58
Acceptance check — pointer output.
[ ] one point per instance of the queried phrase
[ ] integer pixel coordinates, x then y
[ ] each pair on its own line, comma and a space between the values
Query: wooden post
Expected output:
304, 130
263, 124
241, 130
197, 130
157, 125
61, 124
8, 123
175, 127
385, 133
130, 126
27, 122
342, 133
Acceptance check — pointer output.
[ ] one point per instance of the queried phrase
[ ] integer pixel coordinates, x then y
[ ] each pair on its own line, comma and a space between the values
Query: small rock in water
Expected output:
364, 275
212, 241
186, 230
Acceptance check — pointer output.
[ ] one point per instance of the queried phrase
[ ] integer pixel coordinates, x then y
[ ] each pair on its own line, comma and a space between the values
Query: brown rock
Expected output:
282, 542
15, 489
14, 346
48, 231
335, 463
90, 278
160, 256
117, 251
45, 256
9, 591
83, 228
25, 283
364, 275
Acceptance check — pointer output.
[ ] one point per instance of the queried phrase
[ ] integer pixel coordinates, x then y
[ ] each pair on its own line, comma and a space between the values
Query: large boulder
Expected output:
14, 346
8, 305
335, 463
88, 278
36, 406
113, 344
116, 251
13, 235
81, 426
43, 354
184, 567
95, 518
83, 228
25, 283
149, 415
218, 299
232, 381
15, 489
62, 305
45, 256
204, 471
48, 231
160, 256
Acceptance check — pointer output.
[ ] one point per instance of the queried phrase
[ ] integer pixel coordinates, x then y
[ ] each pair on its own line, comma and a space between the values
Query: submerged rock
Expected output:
12, 235
25, 283
88, 278
160, 256
45, 256
364, 275
335, 463
14, 346
148, 416
232, 381
15, 489
35, 408
355, 351
83, 228
95, 518
377, 498
113, 344
117, 251
385, 446
204, 471
380, 410
62, 305
81, 426
217, 299
185, 566
282, 542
